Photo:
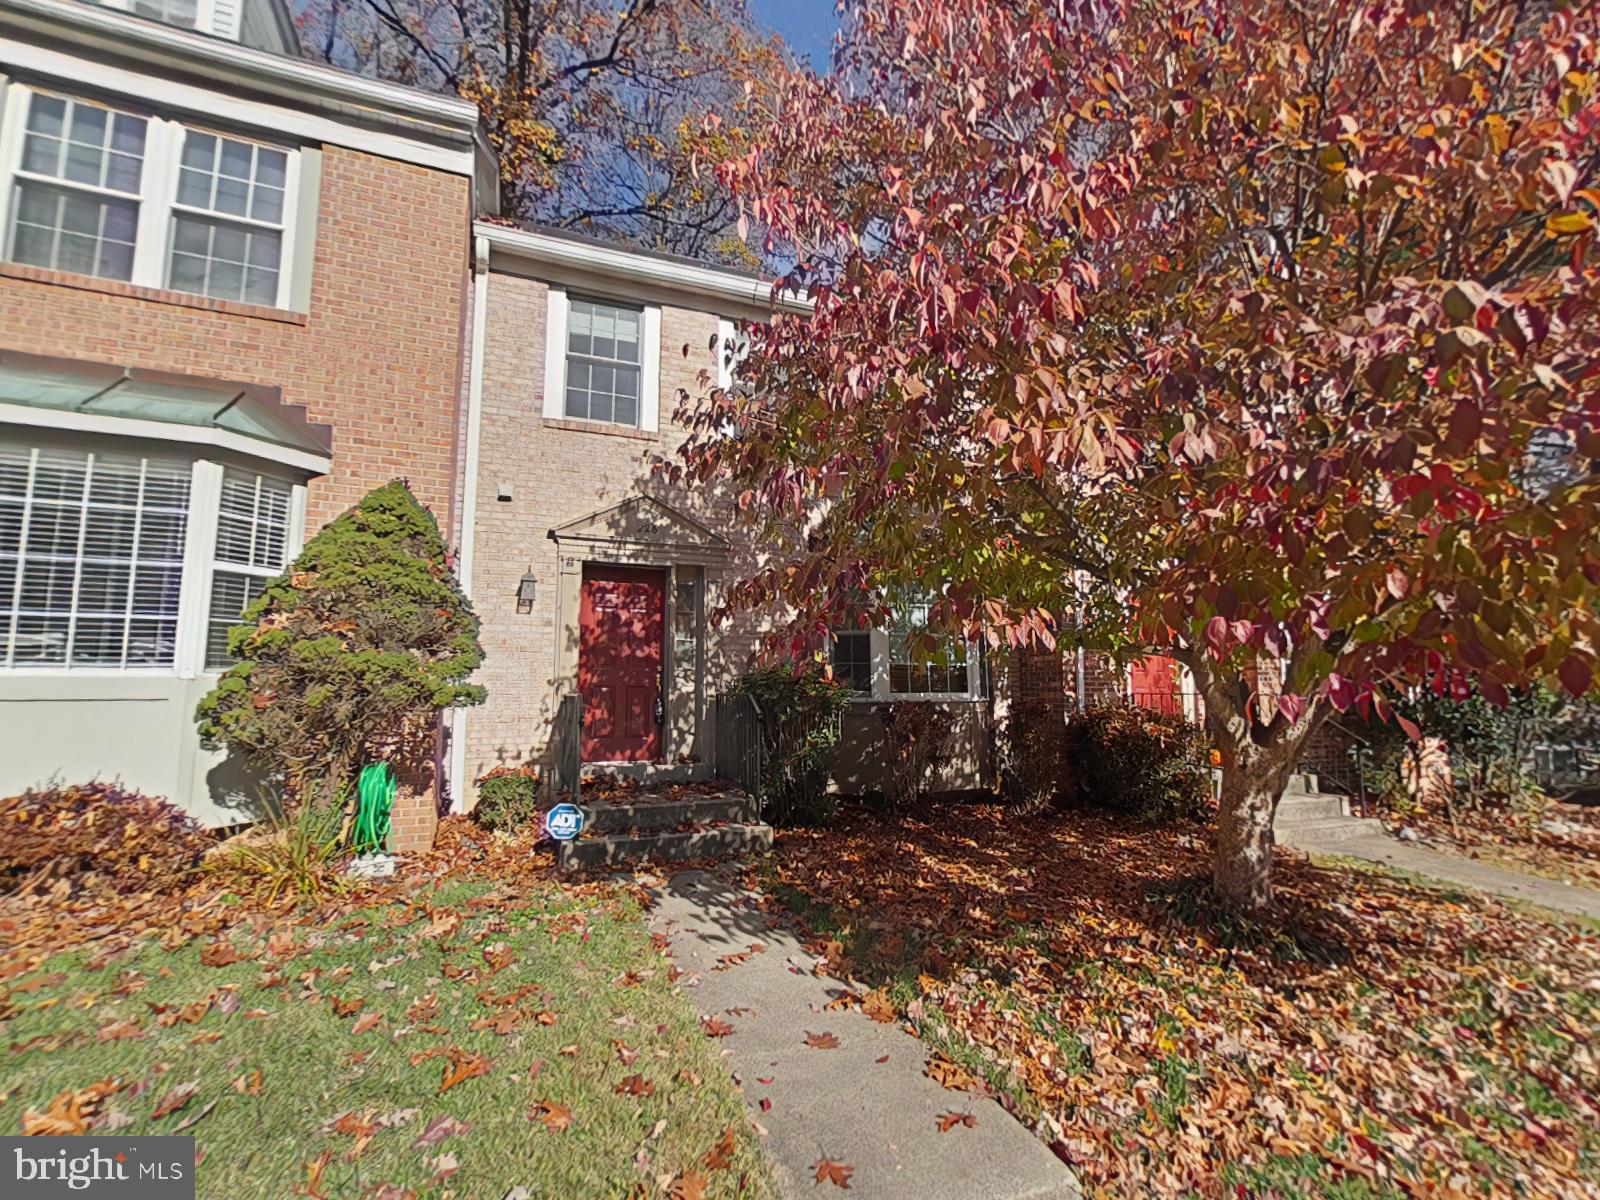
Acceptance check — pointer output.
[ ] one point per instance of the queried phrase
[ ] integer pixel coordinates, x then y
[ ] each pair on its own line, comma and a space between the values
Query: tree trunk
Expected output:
1242, 865
1258, 757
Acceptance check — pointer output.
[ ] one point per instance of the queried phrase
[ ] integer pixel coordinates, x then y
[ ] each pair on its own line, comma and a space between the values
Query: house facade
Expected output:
594, 577
235, 295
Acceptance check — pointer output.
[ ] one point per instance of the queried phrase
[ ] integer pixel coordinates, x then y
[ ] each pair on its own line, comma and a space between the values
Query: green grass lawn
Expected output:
318, 1061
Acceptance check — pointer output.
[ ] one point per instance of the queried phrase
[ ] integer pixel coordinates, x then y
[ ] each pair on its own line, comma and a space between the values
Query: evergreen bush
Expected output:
351, 655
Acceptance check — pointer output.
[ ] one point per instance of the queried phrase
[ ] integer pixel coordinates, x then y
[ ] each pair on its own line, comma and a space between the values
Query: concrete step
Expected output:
1309, 807
649, 773
1301, 781
722, 841
1326, 829
651, 816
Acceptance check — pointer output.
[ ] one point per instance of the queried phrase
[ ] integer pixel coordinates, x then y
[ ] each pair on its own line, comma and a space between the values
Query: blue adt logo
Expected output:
564, 822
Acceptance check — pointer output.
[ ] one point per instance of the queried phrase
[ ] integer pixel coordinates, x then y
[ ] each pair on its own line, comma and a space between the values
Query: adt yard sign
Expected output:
564, 822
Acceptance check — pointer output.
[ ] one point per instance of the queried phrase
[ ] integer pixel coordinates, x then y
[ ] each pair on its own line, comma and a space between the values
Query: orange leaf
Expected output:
879, 1007
720, 1156
635, 1085
174, 1100
822, 1041
835, 1173
554, 1117
716, 1027
369, 1021
462, 1067
689, 1186
71, 1112
948, 1121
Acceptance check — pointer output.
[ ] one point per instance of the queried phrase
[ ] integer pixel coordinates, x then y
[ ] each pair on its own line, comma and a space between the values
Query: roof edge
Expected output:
618, 262
228, 62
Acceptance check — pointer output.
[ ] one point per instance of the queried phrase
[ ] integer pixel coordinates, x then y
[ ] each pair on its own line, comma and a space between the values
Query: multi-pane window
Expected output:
76, 193
252, 545
91, 557
851, 657
603, 362
944, 672
145, 199
171, 12
227, 224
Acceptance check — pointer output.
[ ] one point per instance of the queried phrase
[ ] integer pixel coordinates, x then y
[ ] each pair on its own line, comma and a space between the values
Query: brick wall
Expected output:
377, 357
557, 472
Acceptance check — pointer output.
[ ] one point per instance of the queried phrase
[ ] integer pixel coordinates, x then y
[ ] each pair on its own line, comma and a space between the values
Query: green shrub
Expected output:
1137, 762
351, 655
508, 798
798, 713
296, 858
919, 737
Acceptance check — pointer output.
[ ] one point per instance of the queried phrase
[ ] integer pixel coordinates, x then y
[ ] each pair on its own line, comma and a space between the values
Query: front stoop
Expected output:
651, 830
1306, 814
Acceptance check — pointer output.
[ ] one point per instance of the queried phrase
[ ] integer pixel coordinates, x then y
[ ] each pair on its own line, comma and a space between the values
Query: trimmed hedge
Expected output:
1137, 762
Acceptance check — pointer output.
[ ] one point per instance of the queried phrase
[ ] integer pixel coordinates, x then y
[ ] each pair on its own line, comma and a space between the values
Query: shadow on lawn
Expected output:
970, 884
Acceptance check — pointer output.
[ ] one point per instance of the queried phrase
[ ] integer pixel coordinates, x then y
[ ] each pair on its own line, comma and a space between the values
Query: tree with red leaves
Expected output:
1248, 332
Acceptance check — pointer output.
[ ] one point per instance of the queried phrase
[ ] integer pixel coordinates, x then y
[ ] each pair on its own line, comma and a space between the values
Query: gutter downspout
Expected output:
1080, 679
469, 496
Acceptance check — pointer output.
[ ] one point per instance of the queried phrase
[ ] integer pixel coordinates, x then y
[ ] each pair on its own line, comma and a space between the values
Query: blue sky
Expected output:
806, 25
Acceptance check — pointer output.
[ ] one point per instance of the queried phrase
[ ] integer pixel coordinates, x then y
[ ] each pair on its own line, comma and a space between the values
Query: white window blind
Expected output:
252, 546
91, 557
76, 198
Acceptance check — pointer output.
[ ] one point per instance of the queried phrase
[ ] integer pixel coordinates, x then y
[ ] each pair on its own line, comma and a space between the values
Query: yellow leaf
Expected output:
1568, 223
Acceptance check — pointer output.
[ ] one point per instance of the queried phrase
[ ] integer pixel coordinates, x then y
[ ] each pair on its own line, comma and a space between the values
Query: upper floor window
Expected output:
602, 361
183, 13
77, 188
145, 200
227, 224
850, 655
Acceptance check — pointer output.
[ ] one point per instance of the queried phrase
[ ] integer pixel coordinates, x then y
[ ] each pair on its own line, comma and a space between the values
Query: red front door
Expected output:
1153, 682
621, 620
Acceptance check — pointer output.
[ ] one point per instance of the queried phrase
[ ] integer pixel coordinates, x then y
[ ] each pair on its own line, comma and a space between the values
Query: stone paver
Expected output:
1451, 868
866, 1103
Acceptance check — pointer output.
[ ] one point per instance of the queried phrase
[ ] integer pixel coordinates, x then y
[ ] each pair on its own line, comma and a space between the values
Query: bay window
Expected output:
144, 199
103, 550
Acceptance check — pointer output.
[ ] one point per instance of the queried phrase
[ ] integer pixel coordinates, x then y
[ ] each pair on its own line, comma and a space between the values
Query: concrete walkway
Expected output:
1452, 868
867, 1103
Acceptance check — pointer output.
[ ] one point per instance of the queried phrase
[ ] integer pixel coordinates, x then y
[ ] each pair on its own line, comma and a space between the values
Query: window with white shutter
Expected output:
91, 557
252, 547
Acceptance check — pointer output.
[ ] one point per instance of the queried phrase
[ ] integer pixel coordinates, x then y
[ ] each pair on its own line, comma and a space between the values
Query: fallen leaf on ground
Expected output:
71, 1112
688, 1186
835, 1173
367, 1021
720, 1156
462, 1067
551, 1115
716, 1027
822, 1041
879, 1007
946, 1074
635, 1085
174, 1100
948, 1121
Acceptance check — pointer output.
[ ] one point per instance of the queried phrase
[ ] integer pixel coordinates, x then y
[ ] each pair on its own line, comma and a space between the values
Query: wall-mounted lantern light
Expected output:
525, 591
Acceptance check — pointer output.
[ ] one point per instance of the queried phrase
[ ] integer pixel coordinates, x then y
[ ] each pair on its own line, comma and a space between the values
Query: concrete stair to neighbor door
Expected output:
650, 829
1308, 814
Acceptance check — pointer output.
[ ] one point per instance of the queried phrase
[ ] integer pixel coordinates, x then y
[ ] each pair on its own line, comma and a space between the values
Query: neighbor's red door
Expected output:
621, 620
1153, 683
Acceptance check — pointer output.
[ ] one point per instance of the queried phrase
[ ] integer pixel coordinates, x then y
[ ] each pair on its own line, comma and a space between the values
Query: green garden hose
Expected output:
374, 801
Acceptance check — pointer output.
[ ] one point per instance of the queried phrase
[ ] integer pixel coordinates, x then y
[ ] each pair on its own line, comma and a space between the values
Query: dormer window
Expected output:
183, 13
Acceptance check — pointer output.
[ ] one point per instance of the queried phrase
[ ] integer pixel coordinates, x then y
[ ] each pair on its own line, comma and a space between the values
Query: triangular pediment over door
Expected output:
643, 526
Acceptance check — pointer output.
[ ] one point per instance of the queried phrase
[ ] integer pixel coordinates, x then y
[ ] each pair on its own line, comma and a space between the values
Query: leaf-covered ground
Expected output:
480, 1028
1381, 1040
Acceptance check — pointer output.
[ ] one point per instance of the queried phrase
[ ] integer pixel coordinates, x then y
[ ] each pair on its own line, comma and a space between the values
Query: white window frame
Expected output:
199, 550
880, 641
158, 189
205, 15
557, 308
